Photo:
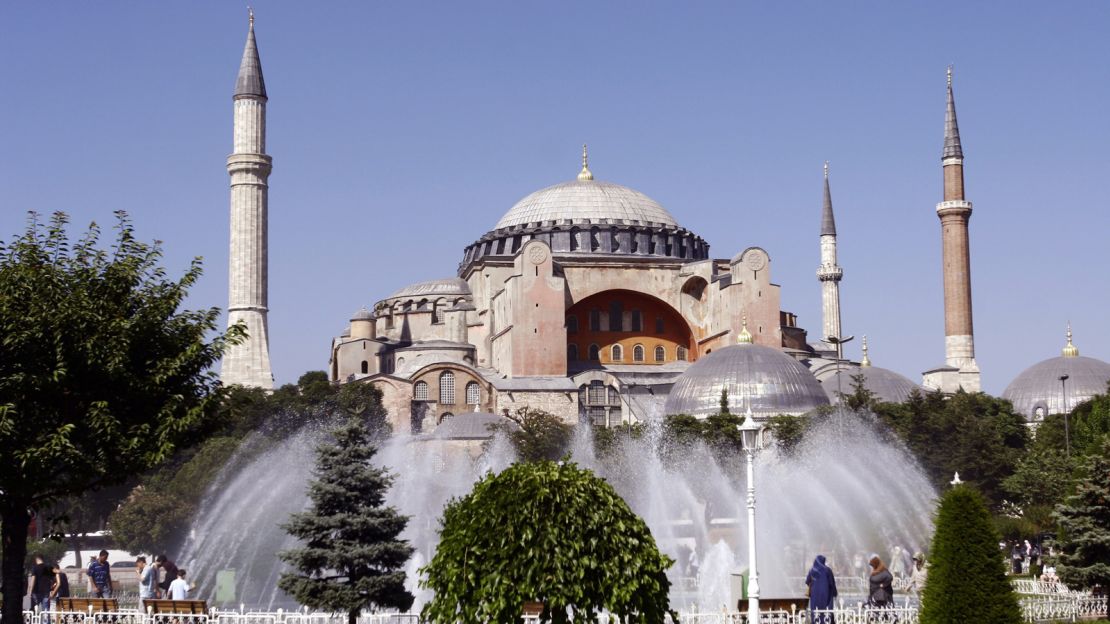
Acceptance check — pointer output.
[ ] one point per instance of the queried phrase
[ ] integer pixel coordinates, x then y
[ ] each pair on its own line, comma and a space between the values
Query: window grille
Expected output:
473, 394
447, 388
638, 353
597, 394
660, 354
681, 354
618, 353
420, 391
595, 320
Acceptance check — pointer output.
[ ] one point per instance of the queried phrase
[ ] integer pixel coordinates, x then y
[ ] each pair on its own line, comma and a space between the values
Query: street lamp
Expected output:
1067, 436
839, 342
749, 432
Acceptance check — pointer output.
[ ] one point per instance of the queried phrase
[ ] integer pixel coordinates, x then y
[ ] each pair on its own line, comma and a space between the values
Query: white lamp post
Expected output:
749, 431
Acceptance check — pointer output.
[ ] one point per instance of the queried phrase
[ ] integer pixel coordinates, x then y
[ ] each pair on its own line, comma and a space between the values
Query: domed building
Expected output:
760, 379
587, 299
887, 385
1057, 385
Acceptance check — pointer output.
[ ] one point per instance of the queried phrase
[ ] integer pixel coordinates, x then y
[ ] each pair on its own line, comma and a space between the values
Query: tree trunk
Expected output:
13, 536
352, 616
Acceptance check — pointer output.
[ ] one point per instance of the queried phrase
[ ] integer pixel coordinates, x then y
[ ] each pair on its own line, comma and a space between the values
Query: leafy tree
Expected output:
967, 577
101, 375
541, 436
550, 533
724, 400
607, 439
788, 431
976, 435
1084, 518
1041, 479
352, 558
860, 397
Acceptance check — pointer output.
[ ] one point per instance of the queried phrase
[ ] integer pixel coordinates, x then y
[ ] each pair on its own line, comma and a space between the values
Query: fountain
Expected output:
845, 491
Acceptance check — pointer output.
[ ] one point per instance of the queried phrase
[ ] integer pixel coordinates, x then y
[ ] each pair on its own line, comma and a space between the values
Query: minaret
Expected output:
954, 213
248, 364
829, 273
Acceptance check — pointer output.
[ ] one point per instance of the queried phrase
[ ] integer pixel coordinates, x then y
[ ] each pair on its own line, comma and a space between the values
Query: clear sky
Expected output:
401, 132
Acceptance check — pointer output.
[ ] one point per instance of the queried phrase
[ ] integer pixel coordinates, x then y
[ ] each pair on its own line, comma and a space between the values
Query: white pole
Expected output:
753, 575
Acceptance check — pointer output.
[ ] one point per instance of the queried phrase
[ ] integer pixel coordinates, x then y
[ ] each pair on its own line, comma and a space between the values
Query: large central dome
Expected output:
587, 201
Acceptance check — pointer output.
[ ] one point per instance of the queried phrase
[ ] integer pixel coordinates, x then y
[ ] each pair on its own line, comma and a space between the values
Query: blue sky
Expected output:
401, 132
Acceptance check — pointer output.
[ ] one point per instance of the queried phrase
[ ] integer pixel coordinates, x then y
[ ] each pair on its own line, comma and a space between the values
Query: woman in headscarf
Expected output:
822, 590
880, 584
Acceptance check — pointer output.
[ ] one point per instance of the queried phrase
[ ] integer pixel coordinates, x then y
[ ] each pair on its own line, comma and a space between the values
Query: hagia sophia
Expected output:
590, 300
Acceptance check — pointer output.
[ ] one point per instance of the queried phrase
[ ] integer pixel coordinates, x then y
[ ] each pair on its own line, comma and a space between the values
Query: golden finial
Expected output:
250, 14
865, 362
949, 76
745, 336
826, 170
585, 174
1070, 350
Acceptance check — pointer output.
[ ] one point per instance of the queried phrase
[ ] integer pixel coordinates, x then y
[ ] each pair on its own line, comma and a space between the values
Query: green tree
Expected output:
1084, 559
351, 558
724, 400
789, 431
101, 375
549, 533
860, 398
967, 577
541, 435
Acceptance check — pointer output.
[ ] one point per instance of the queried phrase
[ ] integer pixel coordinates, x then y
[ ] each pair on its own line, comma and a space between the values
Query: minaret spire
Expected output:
829, 272
955, 212
248, 363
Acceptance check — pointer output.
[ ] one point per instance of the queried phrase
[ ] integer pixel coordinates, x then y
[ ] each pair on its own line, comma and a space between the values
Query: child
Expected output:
179, 588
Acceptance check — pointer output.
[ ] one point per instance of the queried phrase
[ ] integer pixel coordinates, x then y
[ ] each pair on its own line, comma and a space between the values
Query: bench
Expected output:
83, 605
189, 607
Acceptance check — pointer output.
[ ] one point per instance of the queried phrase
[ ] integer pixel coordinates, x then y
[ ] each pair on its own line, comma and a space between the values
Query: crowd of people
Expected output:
160, 579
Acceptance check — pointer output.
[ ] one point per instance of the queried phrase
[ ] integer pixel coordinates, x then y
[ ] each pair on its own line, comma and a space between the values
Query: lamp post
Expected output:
749, 431
1067, 435
839, 342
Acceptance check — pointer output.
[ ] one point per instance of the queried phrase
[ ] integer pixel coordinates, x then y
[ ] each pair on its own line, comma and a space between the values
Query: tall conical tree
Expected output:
351, 557
967, 578
1084, 519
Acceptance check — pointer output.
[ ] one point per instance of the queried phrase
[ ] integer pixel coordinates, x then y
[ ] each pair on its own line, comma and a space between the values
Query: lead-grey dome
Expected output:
771, 381
887, 385
446, 286
586, 201
1037, 391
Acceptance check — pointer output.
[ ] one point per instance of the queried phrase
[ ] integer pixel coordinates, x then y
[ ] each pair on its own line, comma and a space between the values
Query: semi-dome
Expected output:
587, 201
1038, 391
887, 385
446, 286
769, 380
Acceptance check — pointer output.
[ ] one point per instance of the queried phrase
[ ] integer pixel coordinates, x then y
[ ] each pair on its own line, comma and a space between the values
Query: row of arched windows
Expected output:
447, 390
616, 320
617, 353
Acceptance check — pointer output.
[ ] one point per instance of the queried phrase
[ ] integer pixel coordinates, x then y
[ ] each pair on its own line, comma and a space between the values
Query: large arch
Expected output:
645, 320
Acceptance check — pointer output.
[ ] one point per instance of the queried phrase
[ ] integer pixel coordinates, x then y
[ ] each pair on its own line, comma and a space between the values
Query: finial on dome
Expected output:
585, 174
1070, 350
745, 336
865, 362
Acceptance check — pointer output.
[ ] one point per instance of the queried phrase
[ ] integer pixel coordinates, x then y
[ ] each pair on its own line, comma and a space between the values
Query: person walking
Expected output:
100, 573
880, 584
821, 589
1016, 558
42, 580
148, 582
918, 573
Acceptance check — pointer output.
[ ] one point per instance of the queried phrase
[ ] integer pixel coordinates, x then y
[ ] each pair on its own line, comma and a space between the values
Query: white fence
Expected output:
1064, 606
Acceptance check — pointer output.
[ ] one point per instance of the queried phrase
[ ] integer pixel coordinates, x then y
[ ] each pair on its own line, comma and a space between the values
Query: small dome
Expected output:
362, 315
446, 286
771, 380
888, 386
1038, 391
586, 200
471, 426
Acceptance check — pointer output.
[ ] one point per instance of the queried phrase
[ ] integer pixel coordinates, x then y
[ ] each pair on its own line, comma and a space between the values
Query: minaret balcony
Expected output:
953, 207
826, 273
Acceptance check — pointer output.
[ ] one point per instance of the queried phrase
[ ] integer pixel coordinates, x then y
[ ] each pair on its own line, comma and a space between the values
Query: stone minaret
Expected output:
954, 213
829, 273
248, 364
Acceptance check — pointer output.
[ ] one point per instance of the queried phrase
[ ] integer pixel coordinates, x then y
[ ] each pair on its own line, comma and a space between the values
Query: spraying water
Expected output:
845, 492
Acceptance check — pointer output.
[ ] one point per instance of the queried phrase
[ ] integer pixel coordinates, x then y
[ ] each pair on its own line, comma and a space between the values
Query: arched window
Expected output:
420, 391
365, 367
616, 316
638, 353
572, 324
595, 320
660, 353
618, 353
473, 394
681, 353
447, 388
594, 353
400, 361
572, 353
445, 416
